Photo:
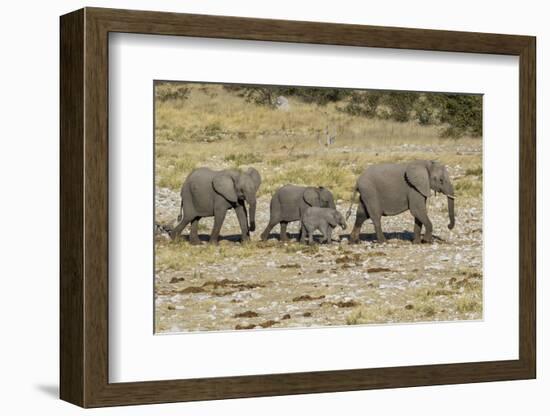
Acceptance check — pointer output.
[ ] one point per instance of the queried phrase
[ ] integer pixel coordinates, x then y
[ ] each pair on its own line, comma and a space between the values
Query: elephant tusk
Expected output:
450, 196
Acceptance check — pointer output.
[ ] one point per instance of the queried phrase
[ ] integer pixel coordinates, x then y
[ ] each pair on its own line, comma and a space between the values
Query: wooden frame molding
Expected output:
84, 207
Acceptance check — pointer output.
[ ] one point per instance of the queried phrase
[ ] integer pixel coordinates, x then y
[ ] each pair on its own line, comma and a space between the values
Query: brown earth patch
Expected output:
290, 266
303, 298
247, 314
341, 304
192, 289
268, 324
378, 269
239, 326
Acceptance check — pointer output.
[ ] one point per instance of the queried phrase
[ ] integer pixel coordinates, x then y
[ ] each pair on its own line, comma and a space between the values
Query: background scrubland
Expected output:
316, 137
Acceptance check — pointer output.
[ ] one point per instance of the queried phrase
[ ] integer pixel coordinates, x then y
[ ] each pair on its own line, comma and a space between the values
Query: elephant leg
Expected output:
417, 231
360, 217
241, 216
417, 204
194, 234
377, 221
375, 214
283, 236
327, 234
219, 216
175, 233
265, 234
302, 235
309, 233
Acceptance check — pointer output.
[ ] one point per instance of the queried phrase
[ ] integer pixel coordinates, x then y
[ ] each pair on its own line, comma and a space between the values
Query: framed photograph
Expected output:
257, 207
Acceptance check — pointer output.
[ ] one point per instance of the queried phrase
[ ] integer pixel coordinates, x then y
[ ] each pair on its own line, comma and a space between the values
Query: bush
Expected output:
400, 104
463, 114
165, 91
457, 114
363, 103
319, 96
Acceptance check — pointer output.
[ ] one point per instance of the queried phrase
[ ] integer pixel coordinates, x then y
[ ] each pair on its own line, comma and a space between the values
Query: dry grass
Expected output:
452, 299
218, 129
287, 147
180, 255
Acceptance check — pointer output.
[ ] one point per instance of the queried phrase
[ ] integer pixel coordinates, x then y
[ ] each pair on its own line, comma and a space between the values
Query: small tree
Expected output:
363, 103
400, 104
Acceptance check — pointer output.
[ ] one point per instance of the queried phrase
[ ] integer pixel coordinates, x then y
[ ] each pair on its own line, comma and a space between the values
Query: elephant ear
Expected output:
418, 177
224, 185
312, 198
255, 175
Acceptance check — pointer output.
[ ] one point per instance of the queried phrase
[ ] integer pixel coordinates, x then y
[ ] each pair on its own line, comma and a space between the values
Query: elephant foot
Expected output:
173, 236
417, 240
427, 240
245, 239
194, 241
213, 242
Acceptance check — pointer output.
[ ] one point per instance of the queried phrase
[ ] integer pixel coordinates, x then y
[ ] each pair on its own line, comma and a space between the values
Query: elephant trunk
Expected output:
451, 207
252, 214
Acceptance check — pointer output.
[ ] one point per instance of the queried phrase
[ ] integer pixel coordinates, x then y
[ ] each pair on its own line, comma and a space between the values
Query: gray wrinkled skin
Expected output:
321, 219
390, 189
289, 203
210, 193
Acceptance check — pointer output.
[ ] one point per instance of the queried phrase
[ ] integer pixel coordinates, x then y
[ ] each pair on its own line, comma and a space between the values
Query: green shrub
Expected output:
400, 104
165, 91
363, 103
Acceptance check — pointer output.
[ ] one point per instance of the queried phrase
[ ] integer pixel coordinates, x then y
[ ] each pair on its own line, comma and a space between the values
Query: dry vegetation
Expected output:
255, 285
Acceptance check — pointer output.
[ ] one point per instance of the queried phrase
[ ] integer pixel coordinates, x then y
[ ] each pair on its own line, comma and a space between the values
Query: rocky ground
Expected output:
271, 284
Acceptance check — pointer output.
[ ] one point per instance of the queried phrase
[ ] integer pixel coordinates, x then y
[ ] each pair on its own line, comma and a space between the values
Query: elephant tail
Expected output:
348, 213
180, 216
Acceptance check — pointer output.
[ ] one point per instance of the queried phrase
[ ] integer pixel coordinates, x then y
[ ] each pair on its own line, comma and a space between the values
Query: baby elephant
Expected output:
322, 219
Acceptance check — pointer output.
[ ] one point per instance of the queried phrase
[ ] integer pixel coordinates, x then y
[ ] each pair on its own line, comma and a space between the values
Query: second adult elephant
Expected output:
207, 193
390, 189
289, 203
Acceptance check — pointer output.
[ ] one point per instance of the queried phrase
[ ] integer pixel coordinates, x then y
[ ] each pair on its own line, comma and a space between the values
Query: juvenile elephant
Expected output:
322, 219
290, 201
390, 189
207, 193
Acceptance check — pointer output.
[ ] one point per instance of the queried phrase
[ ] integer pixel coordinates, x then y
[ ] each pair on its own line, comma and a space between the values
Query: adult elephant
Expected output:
207, 193
390, 189
289, 203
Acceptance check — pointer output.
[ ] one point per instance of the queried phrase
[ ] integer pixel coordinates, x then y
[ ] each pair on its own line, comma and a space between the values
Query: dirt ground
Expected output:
260, 285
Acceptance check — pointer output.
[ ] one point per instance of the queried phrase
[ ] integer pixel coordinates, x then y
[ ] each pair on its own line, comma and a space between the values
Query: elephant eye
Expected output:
440, 180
